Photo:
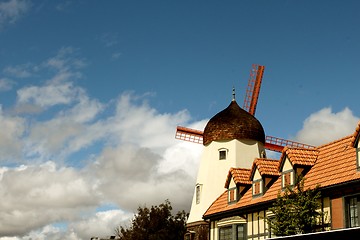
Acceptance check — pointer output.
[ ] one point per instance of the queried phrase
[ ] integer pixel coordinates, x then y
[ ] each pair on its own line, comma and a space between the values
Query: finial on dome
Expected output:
233, 94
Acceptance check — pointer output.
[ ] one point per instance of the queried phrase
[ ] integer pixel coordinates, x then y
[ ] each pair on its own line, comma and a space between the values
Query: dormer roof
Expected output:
299, 156
266, 167
240, 176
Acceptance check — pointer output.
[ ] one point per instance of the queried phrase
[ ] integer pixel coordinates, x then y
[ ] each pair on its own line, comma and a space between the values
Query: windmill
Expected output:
252, 94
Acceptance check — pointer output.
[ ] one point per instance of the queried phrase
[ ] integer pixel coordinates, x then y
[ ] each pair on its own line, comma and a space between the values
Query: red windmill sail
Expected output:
250, 103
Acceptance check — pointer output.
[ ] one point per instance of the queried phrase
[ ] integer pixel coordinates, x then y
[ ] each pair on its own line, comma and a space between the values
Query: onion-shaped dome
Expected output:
233, 123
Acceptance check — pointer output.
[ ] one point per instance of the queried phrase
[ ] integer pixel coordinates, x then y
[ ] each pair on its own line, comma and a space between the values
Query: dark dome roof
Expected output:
233, 123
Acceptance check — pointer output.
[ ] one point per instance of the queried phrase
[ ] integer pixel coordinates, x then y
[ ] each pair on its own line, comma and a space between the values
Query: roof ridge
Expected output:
266, 159
240, 168
299, 148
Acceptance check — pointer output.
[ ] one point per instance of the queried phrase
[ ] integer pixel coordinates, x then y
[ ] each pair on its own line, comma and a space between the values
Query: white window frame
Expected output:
223, 151
261, 187
292, 178
236, 194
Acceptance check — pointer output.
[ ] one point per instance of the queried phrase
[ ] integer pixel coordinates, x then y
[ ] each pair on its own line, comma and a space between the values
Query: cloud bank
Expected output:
65, 155
325, 126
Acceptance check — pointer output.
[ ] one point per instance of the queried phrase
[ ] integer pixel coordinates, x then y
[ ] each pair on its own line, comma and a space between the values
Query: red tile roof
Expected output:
335, 164
299, 156
240, 176
268, 167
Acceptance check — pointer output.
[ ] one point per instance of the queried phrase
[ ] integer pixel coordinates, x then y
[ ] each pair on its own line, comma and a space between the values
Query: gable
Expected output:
286, 165
232, 183
257, 175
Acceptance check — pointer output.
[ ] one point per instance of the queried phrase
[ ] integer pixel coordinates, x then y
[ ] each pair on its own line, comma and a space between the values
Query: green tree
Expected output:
156, 223
296, 211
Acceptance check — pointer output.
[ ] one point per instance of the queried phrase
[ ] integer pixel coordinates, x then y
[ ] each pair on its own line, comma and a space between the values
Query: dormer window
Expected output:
237, 184
257, 188
287, 178
264, 173
232, 195
223, 153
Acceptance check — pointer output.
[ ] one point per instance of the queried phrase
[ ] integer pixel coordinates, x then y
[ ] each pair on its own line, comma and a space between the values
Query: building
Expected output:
237, 184
232, 138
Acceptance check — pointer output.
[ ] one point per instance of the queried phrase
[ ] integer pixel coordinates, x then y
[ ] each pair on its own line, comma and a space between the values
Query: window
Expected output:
198, 193
257, 187
233, 232
225, 233
222, 153
240, 232
353, 211
233, 195
287, 178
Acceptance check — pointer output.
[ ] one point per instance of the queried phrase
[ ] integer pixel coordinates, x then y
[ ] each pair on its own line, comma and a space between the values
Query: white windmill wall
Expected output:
212, 171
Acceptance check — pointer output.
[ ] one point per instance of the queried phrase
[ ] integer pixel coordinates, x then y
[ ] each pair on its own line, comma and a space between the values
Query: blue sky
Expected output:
91, 93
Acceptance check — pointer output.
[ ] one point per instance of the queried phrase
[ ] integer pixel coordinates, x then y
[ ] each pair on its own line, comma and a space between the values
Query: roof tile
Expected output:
267, 167
240, 176
333, 163
300, 156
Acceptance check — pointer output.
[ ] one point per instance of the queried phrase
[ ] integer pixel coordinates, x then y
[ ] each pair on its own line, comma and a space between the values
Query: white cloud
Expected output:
49, 232
140, 163
20, 71
135, 160
59, 89
6, 84
12, 130
325, 126
32, 196
47, 96
69, 131
66, 60
101, 224
139, 123
12, 10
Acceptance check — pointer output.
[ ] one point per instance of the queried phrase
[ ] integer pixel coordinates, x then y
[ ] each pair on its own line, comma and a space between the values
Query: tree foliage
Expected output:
296, 211
156, 223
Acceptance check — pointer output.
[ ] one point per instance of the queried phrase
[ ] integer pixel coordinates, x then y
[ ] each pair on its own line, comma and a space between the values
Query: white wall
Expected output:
213, 172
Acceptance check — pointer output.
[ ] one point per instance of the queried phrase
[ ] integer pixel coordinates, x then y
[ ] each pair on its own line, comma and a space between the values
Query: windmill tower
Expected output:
232, 138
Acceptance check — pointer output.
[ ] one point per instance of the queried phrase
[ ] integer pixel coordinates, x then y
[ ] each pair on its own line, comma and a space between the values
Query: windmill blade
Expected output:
188, 134
253, 88
277, 144
271, 143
